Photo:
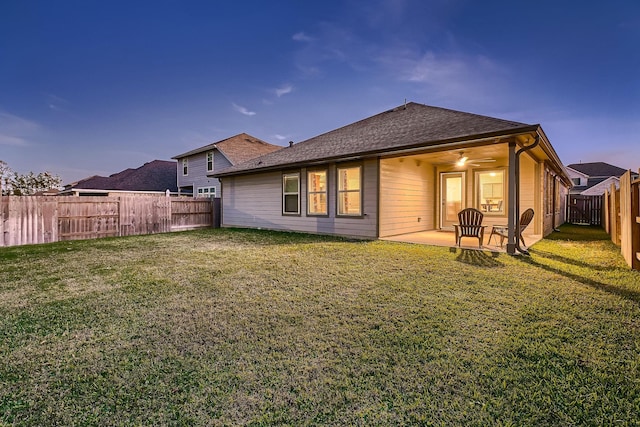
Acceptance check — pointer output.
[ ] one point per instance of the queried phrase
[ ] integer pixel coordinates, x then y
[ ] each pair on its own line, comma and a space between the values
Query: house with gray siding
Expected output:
194, 166
593, 179
406, 170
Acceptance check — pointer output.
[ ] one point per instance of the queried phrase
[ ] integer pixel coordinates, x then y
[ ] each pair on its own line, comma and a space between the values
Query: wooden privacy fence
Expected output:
622, 218
43, 219
584, 209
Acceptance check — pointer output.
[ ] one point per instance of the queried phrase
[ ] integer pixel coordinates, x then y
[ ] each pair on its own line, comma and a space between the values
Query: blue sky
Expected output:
95, 87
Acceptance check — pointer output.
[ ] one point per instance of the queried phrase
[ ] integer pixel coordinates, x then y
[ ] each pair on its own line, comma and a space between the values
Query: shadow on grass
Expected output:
477, 258
605, 287
565, 260
272, 237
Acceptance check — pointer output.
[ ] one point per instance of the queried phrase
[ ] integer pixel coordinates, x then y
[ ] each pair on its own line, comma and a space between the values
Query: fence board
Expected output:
623, 207
191, 213
44, 219
88, 217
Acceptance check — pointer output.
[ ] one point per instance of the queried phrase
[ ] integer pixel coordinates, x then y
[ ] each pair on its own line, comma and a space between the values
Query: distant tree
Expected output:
26, 184
5, 174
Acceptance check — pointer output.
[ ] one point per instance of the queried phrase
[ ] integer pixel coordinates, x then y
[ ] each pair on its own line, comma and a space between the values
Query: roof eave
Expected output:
408, 148
196, 151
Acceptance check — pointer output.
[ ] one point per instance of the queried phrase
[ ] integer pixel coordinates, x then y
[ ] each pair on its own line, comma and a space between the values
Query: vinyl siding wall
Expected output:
255, 201
197, 176
407, 196
556, 218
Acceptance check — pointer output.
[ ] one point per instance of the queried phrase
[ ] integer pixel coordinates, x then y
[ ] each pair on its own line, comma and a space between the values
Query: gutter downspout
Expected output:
516, 213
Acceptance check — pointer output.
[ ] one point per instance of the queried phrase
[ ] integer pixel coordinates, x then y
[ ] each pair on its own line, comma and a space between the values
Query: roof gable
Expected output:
575, 173
411, 125
237, 149
600, 169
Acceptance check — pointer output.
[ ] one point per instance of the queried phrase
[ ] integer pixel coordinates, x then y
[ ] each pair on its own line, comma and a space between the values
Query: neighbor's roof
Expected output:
158, 175
236, 149
599, 169
408, 126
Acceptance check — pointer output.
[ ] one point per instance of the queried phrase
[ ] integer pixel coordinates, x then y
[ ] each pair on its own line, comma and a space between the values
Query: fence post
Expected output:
605, 211
2, 243
630, 235
615, 215
635, 225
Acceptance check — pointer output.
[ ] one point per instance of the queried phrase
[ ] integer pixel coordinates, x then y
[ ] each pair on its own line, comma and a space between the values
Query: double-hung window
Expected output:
291, 194
350, 191
210, 161
317, 192
185, 166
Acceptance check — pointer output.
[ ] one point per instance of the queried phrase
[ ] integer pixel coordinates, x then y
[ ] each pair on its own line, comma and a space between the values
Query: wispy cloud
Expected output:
56, 103
301, 37
243, 110
283, 90
15, 130
334, 44
454, 76
281, 137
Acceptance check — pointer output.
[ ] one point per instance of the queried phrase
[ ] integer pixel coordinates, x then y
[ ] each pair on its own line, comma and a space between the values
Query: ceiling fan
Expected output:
464, 160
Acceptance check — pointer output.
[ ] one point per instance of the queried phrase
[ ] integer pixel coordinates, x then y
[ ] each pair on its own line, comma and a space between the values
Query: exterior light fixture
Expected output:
462, 160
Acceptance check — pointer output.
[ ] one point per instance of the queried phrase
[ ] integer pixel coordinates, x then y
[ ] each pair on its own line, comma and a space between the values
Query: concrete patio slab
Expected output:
447, 238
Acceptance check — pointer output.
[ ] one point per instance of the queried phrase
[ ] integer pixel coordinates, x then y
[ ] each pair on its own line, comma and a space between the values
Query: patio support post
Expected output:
511, 212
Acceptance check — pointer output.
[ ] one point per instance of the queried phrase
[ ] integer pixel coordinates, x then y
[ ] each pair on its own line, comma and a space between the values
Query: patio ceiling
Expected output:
493, 151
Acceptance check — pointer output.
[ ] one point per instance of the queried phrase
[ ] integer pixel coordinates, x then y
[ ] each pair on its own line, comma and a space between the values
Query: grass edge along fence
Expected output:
622, 218
44, 219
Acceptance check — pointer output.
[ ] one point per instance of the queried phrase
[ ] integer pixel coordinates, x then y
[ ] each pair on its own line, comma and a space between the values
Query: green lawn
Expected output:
240, 327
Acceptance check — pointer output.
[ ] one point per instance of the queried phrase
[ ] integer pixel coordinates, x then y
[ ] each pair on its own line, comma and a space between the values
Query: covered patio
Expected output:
446, 238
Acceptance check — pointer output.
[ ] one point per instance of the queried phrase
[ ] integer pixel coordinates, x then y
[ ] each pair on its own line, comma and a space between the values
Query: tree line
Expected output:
16, 184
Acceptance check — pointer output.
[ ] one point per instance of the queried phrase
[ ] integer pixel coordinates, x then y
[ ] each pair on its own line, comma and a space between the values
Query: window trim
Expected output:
297, 193
209, 154
325, 192
548, 192
360, 214
209, 193
477, 194
185, 166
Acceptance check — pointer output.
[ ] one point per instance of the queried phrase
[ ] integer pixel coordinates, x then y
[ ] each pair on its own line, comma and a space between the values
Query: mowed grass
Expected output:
247, 327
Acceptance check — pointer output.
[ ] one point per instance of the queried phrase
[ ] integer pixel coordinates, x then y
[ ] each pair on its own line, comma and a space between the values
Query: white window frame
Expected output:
206, 192
209, 159
290, 193
340, 192
185, 166
502, 197
311, 193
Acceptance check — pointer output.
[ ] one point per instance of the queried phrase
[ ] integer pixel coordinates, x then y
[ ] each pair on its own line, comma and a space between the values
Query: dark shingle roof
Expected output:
236, 149
158, 175
600, 169
403, 127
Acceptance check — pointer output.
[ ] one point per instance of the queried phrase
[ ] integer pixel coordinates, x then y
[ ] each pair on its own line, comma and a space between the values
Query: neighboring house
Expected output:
195, 165
405, 170
49, 192
593, 179
155, 177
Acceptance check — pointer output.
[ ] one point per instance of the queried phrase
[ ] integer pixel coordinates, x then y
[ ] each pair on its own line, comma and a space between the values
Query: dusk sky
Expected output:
95, 87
